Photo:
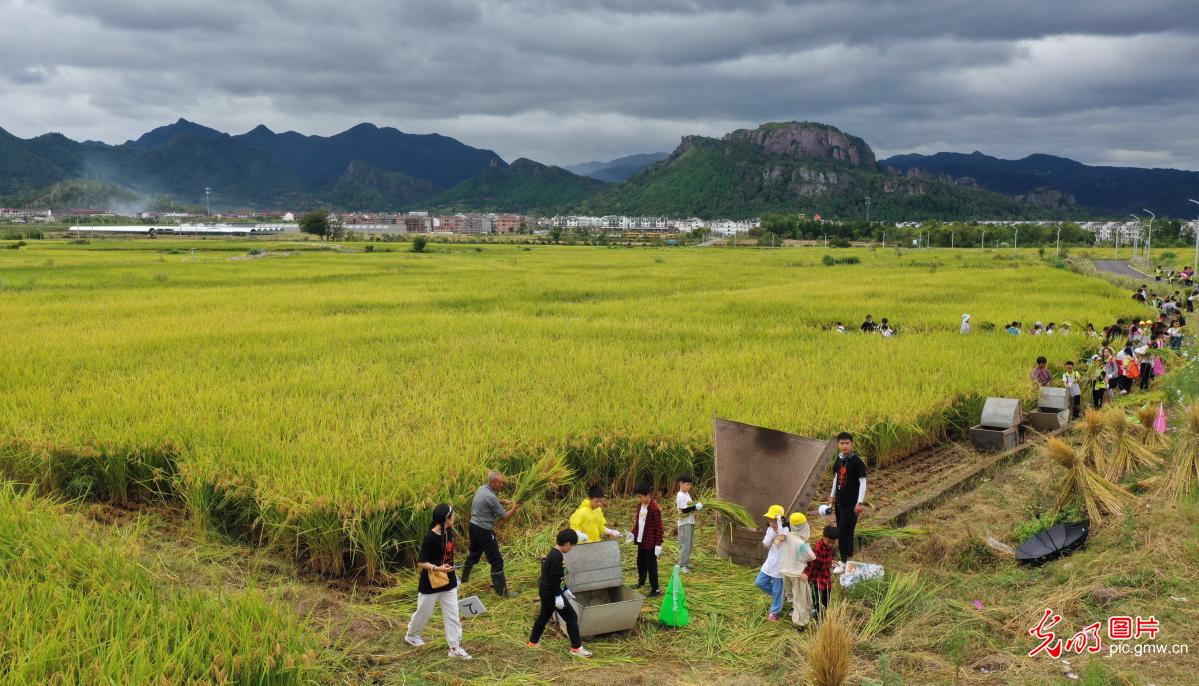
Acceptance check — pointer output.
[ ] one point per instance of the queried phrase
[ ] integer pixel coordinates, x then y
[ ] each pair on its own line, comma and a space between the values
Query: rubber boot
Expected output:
500, 583
465, 576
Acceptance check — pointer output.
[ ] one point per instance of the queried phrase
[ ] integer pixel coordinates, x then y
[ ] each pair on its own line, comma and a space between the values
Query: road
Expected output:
1120, 268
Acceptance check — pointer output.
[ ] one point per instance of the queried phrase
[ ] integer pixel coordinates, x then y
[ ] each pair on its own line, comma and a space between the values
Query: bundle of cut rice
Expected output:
1126, 454
1082, 484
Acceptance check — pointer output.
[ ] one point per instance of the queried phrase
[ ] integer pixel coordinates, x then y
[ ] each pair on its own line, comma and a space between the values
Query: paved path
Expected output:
1120, 268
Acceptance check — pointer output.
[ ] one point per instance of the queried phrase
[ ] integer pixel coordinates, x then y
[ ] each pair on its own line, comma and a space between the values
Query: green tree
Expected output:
419, 243
316, 223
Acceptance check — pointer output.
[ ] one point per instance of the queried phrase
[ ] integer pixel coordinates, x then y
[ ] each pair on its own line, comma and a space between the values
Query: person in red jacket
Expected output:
647, 534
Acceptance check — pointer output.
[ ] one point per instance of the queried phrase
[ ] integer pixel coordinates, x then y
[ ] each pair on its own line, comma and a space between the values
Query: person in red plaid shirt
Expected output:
647, 534
819, 571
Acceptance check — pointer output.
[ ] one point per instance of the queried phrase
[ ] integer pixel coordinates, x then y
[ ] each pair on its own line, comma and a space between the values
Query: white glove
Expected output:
568, 594
657, 551
612, 532
628, 538
582, 537
699, 506
559, 602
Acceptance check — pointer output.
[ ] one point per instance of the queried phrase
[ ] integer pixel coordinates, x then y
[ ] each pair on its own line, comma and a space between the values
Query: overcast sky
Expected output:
564, 81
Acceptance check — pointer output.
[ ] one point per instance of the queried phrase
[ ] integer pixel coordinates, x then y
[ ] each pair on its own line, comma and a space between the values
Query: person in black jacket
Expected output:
438, 584
848, 494
555, 597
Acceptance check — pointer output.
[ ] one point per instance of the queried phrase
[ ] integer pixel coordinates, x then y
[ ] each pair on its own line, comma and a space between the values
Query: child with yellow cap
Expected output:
770, 579
794, 556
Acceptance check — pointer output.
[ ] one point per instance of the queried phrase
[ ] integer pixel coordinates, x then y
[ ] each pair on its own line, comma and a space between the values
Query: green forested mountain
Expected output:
522, 187
792, 167
365, 167
1113, 190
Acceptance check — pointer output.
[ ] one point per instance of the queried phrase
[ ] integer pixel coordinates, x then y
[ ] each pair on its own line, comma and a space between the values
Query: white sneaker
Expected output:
685, 570
581, 652
839, 568
459, 653
414, 641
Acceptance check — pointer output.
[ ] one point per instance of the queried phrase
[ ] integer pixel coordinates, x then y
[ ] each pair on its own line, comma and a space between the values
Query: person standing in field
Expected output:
965, 325
1098, 381
868, 326
848, 494
647, 535
794, 557
1040, 374
1070, 381
687, 509
555, 596
437, 584
770, 576
589, 521
485, 510
819, 570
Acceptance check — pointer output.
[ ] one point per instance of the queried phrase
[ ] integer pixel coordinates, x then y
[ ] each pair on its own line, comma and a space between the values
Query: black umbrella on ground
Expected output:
1053, 543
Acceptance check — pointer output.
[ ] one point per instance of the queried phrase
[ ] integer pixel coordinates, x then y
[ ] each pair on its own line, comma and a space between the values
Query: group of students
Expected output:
438, 583
1111, 371
882, 327
1184, 276
802, 572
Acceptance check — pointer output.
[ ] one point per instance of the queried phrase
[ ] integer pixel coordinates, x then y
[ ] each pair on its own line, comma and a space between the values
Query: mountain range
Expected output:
619, 169
776, 167
1112, 190
365, 166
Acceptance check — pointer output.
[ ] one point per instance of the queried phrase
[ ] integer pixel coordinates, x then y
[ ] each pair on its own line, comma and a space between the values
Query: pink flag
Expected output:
1159, 424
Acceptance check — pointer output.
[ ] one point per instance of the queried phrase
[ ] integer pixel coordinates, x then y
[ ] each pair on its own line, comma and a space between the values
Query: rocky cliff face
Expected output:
1048, 198
803, 139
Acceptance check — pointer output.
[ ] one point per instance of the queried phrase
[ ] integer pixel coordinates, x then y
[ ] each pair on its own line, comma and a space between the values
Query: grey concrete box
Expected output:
602, 601
994, 440
1053, 399
1001, 413
1049, 420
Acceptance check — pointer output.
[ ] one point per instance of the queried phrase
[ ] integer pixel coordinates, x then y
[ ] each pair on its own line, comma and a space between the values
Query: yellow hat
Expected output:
774, 511
798, 519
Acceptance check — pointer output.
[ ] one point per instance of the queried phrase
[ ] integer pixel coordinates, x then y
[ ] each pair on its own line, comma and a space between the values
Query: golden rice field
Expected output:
322, 400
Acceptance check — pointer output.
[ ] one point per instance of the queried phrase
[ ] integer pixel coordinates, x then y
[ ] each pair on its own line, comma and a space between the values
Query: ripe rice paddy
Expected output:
322, 400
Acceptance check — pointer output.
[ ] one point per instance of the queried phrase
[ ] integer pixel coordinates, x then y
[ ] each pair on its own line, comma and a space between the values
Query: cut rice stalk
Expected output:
1146, 433
1097, 495
1182, 479
1127, 454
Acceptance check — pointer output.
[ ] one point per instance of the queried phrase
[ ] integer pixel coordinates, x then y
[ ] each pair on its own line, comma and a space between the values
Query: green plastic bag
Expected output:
674, 603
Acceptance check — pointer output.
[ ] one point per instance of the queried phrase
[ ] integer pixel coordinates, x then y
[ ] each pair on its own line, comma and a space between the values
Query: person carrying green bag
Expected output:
674, 603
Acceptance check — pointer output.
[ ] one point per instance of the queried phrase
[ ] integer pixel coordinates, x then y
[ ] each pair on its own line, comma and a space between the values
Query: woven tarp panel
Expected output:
758, 467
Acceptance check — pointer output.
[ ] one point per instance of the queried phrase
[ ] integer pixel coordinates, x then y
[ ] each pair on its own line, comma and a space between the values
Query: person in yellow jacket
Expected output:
589, 519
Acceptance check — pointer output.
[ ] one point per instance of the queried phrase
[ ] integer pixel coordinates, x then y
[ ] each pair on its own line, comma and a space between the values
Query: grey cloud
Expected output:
566, 80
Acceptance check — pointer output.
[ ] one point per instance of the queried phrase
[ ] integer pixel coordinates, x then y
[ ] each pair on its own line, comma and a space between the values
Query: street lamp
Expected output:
1059, 241
885, 238
982, 242
1016, 240
928, 242
951, 239
207, 202
1149, 239
1195, 263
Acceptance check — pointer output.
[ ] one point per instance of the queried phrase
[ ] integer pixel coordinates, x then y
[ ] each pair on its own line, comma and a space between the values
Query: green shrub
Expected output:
419, 243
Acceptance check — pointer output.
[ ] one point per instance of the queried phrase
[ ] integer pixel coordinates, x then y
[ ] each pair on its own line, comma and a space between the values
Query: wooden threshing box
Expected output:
758, 467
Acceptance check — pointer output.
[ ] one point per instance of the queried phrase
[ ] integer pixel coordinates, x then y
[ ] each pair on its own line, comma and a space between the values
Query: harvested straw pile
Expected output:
1182, 479
1127, 454
1084, 485
901, 602
1146, 433
1095, 440
829, 650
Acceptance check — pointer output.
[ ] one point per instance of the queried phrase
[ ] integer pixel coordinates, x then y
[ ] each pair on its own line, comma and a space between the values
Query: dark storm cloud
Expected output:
567, 80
